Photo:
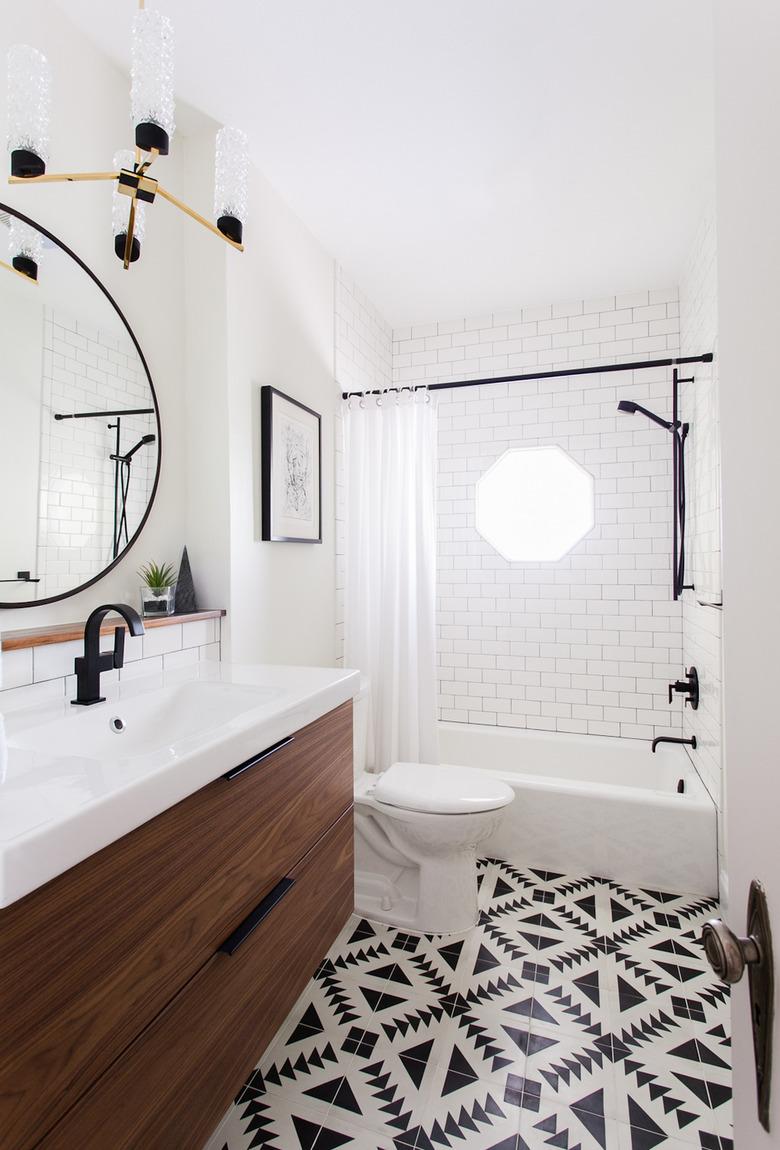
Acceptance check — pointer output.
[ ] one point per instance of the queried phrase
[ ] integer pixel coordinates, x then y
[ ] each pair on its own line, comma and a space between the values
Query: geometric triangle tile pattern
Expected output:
579, 1013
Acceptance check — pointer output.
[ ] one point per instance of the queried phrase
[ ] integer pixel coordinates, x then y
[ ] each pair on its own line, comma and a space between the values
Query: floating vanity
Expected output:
173, 862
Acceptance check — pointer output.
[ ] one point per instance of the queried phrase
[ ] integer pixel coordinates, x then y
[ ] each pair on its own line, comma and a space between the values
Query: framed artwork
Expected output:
291, 440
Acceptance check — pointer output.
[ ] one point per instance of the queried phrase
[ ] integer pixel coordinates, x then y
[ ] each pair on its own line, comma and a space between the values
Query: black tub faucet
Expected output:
669, 739
89, 666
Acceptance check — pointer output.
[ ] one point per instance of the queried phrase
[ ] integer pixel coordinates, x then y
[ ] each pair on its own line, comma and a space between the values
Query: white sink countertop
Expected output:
70, 784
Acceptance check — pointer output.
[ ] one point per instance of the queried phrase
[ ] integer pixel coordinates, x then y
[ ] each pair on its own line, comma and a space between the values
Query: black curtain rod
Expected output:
643, 365
100, 414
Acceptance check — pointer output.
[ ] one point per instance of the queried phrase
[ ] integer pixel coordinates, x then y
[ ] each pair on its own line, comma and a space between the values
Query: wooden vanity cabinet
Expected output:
139, 989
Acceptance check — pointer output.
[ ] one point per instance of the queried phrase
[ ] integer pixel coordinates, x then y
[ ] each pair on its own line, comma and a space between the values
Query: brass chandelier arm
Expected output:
85, 177
129, 236
11, 268
142, 167
63, 178
177, 203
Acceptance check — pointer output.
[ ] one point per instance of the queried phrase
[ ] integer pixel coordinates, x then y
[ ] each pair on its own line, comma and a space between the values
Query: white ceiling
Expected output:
462, 156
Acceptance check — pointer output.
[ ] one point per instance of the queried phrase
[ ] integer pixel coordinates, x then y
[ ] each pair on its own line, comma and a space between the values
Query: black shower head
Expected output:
631, 408
141, 443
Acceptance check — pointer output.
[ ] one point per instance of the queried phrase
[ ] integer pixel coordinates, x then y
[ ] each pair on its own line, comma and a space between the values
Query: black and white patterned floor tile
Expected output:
578, 1014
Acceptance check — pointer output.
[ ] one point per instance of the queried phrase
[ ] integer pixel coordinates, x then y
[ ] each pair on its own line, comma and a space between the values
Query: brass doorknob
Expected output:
728, 955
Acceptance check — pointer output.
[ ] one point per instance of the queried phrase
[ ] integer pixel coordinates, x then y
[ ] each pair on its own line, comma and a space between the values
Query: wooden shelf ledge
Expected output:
67, 632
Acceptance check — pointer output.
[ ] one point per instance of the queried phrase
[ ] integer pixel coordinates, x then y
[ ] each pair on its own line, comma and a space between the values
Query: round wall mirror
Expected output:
80, 433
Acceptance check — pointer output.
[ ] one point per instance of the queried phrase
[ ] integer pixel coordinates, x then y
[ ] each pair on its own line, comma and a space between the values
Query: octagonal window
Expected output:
534, 504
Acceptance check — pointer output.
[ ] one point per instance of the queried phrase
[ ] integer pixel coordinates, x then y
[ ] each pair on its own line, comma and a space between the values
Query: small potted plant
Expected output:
158, 589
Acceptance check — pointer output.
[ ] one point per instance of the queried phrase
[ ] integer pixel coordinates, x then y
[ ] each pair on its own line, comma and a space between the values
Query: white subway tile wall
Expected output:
702, 625
588, 644
39, 674
87, 370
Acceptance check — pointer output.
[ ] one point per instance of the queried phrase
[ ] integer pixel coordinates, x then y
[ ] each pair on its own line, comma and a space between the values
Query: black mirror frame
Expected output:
69, 252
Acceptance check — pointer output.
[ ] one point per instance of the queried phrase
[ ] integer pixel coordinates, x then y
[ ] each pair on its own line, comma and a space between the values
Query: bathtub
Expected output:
598, 806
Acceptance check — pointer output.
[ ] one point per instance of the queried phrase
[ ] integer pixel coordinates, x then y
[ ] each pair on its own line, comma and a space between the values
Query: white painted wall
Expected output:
204, 407
90, 119
280, 332
747, 47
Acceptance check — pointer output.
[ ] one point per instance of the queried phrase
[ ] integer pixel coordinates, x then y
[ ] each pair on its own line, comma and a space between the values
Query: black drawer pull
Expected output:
239, 770
261, 911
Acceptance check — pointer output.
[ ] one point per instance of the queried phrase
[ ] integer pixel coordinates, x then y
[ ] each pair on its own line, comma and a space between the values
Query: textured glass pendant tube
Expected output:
231, 182
29, 103
120, 211
25, 247
151, 94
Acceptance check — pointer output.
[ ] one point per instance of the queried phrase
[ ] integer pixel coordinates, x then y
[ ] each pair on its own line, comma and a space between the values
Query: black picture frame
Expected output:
271, 399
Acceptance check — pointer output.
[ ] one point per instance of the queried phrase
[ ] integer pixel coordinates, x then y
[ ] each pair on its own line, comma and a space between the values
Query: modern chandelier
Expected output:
153, 115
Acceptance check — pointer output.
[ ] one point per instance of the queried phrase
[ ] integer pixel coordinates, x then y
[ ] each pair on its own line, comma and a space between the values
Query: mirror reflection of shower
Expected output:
117, 499
122, 477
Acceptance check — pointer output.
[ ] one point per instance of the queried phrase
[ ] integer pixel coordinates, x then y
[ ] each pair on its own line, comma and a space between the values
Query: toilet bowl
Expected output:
417, 829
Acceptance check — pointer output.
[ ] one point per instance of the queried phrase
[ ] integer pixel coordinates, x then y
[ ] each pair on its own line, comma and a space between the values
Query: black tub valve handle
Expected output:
688, 687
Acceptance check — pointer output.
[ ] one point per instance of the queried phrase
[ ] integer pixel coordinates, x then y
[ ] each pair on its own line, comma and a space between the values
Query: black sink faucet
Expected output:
89, 666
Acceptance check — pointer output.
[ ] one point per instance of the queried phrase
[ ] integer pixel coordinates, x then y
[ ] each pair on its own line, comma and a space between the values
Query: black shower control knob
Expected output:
688, 687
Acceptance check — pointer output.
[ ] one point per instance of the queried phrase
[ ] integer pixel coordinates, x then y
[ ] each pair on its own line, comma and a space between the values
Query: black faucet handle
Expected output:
689, 687
119, 647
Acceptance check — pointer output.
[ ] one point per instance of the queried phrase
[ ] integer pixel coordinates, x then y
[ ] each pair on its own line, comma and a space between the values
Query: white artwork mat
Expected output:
295, 472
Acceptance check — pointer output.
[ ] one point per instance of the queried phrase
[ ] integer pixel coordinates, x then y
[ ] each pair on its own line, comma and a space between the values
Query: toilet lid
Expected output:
442, 790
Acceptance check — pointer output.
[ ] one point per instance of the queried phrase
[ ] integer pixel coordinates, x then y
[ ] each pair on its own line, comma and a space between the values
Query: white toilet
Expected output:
417, 828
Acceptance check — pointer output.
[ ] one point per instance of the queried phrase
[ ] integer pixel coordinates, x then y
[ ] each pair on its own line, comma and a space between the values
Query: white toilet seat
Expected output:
440, 789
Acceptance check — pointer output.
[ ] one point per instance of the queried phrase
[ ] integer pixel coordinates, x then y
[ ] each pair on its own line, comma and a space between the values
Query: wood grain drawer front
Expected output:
170, 1089
92, 957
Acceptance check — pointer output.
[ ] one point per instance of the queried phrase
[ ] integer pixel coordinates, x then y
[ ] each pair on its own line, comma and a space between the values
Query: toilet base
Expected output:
438, 898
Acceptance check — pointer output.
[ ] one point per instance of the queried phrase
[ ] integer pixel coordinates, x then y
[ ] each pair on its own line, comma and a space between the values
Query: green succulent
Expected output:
157, 576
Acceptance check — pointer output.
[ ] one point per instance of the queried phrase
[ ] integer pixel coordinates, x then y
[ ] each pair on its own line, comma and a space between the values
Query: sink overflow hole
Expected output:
117, 725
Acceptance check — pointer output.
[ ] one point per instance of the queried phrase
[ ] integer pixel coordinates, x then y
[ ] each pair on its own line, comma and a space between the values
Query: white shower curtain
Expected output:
390, 624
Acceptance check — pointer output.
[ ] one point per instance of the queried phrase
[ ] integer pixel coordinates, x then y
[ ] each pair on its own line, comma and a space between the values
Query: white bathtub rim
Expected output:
522, 780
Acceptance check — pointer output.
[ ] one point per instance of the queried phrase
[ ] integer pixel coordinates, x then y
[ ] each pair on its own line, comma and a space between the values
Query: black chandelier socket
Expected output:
26, 266
151, 137
231, 227
120, 242
25, 164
